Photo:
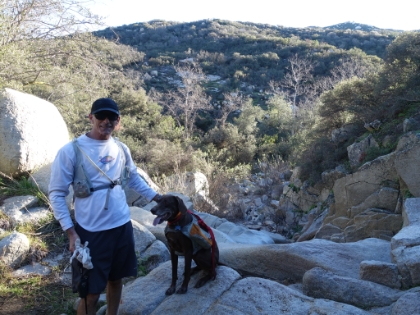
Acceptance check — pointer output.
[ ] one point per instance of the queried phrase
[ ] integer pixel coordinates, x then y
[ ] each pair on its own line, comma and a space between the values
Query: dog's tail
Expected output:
206, 228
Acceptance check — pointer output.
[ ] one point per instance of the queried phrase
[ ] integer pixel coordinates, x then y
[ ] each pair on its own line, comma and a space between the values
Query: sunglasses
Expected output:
110, 115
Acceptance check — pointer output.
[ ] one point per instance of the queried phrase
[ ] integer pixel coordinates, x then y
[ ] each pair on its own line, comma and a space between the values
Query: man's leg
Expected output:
113, 296
92, 302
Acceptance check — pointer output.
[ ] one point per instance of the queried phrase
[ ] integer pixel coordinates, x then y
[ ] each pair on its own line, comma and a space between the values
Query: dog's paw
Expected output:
202, 281
182, 290
170, 291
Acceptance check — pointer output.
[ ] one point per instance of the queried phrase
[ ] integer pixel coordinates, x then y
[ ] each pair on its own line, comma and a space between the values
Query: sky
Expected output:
386, 14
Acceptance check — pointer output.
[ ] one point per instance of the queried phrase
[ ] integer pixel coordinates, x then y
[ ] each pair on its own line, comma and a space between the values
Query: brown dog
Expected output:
173, 210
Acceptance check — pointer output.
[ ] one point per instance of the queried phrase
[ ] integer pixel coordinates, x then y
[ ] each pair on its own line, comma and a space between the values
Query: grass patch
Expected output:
21, 187
35, 295
141, 267
374, 152
45, 237
5, 223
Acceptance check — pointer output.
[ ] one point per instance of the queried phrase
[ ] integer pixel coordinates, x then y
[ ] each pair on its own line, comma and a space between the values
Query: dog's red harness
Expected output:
206, 228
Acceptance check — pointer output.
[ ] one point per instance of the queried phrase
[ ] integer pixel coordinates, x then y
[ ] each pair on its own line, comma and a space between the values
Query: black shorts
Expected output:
113, 255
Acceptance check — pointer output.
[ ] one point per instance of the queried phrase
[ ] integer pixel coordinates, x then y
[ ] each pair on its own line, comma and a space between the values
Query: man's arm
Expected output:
61, 178
136, 182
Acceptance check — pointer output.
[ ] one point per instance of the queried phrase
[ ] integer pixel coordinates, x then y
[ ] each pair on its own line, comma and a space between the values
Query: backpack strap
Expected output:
79, 170
125, 172
94, 164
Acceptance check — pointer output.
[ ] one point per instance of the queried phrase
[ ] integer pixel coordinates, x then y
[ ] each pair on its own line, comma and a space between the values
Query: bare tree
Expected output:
188, 99
32, 40
298, 78
28, 19
233, 101
347, 69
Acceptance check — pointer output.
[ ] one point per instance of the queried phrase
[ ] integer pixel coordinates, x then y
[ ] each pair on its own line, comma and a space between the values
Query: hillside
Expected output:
205, 35
361, 27
274, 66
245, 54
227, 94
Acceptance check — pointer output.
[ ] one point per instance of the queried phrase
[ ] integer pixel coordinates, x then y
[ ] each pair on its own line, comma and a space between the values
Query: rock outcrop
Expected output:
13, 249
228, 294
24, 209
317, 264
367, 203
357, 151
322, 284
291, 261
406, 245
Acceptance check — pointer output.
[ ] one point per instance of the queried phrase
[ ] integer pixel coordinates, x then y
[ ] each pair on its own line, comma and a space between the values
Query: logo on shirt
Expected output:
106, 159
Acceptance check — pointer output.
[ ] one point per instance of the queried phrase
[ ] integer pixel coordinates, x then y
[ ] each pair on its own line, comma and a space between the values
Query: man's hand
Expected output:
157, 198
72, 236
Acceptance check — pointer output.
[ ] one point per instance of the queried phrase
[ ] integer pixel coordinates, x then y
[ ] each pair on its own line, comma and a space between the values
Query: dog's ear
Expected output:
181, 205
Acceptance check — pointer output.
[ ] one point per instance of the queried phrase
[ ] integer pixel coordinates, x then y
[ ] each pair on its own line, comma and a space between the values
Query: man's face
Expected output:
103, 124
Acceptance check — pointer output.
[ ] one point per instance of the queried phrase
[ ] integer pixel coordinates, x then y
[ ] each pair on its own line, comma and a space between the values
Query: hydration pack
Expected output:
82, 185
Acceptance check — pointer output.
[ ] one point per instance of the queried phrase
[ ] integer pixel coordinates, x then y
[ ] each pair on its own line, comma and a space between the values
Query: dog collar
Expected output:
176, 219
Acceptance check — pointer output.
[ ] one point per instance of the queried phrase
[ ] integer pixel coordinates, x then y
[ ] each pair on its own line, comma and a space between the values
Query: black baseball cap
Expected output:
103, 104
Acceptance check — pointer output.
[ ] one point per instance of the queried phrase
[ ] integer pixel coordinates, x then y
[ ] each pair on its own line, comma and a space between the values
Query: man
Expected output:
102, 216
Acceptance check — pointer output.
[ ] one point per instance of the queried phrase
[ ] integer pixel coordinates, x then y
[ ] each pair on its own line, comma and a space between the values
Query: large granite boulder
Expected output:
31, 132
353, 189
229, 293
409, 303
357, 151
406, 245
320, 283
291, 261
407, 162
380, 272
366, 203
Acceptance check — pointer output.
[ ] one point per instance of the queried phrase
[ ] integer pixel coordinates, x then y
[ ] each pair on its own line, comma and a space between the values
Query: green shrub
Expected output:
320, 155
374, 152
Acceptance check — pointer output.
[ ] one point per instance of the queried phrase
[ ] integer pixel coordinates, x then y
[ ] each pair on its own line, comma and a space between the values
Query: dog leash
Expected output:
205, 227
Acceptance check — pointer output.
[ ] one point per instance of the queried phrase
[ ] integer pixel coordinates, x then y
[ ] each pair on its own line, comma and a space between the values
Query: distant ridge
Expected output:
358, 26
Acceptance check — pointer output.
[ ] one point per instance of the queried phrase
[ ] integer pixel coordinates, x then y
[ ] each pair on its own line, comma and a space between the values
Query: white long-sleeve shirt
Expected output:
90, 212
